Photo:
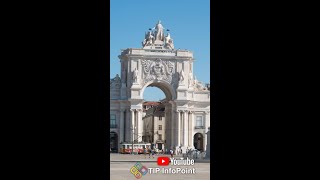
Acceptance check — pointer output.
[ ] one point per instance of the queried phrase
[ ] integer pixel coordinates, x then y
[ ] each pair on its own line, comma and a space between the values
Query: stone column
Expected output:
207, 125
136, 125
172, 129
185, 125
132, 125
121, 128
140, 125
208, 145
192, 128
178, 128
189, 128
207, 119
128, 125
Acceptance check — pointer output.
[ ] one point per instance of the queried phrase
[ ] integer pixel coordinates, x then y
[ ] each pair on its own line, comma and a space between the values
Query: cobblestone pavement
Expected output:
120, 166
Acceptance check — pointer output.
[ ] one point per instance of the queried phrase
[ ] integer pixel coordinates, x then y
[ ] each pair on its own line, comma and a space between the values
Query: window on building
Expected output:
160, 118
113, 121
199, 123
160, 127
160, 136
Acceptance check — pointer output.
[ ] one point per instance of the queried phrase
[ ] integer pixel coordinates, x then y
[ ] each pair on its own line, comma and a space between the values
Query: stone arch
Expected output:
164, 86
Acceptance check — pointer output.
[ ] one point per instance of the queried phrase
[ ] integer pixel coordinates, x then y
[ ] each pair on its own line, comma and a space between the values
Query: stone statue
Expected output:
135, 75
159, 31
117, 78
169, 42
195, 80
198, 85
181, 77
190, 79
149, 39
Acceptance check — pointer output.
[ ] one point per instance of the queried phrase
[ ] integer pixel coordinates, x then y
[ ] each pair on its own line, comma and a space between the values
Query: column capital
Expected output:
207, 112
191, 112
132, 110
139, 110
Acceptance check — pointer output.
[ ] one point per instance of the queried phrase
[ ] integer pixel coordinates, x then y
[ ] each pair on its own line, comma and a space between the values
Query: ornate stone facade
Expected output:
159, 64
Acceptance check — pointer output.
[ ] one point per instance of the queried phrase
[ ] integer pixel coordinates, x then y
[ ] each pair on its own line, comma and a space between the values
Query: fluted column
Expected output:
121, 128
140, 125
172, 129
207, 119
128, 125
178, 128
185, 126
192, 128
207, 125
132, 124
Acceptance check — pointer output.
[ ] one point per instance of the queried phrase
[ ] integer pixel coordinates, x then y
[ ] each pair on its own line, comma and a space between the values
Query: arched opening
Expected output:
157, 110
165, 87
198, 141
113, 142
153, 94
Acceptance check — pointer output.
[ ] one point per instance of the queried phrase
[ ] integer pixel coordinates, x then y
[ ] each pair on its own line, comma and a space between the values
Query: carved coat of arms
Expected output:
157, 70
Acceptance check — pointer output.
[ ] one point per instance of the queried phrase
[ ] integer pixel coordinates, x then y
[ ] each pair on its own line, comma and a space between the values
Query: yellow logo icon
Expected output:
138, 170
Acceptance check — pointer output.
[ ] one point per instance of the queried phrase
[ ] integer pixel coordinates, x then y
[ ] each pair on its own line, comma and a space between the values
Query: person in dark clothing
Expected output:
171, 152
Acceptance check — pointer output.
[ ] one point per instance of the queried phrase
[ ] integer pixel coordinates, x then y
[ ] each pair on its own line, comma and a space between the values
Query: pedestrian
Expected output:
149, 151
171, 152
153, 151
145, 152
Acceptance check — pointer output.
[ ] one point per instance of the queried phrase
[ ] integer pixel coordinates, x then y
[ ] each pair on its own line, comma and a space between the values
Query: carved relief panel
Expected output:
157, 70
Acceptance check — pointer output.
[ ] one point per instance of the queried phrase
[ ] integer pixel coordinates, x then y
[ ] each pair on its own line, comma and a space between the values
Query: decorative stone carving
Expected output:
169, 42
115, 82
199, 86
157, 70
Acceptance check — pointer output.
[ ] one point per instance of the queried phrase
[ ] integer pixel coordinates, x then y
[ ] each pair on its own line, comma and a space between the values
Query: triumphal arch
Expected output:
157, 63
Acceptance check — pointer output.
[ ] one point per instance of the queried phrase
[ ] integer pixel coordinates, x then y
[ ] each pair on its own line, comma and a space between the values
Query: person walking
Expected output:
149, 151
153, 151
171, 152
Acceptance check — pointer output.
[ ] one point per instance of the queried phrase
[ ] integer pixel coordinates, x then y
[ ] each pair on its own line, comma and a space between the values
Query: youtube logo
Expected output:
163, 161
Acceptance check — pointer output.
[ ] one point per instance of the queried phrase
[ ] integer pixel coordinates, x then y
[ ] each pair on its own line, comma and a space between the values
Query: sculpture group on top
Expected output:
156, 36
115, 82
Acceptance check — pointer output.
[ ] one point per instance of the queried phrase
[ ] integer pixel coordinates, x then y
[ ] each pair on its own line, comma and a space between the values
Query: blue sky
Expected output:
188, 21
